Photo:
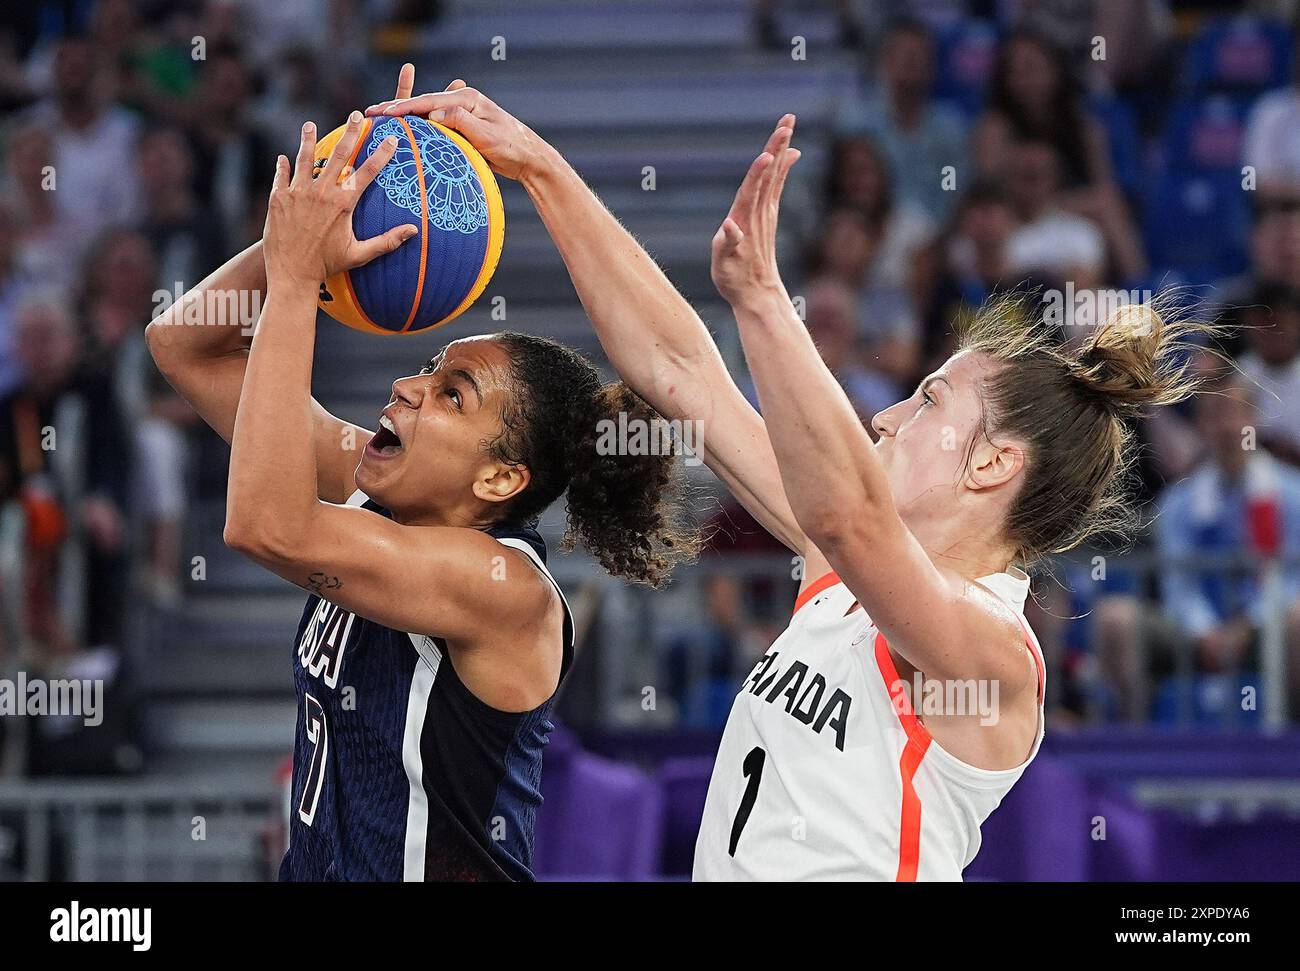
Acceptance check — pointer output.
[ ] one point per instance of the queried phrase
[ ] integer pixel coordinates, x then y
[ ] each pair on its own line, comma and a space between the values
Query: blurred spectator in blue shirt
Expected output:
921, 137
1210, 513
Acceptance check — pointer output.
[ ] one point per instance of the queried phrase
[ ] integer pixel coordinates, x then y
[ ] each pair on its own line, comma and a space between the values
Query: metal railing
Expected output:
137, 830
632, 663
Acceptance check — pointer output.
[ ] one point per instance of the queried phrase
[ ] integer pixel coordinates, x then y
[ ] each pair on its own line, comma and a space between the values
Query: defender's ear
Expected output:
993, 465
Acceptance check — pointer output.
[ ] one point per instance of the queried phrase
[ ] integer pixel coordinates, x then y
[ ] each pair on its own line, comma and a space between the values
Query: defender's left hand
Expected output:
308, 233
744, 247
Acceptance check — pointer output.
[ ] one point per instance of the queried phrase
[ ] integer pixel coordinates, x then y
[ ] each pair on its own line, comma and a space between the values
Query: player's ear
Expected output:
994, 464
497, 483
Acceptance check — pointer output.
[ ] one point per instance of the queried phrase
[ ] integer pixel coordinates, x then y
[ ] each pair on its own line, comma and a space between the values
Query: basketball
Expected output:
437, 181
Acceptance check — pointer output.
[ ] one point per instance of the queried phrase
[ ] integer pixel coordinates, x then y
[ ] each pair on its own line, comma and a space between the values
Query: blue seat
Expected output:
1212, 700
965, 54
1205, 134
1120, 123
1196, 226
1246, 54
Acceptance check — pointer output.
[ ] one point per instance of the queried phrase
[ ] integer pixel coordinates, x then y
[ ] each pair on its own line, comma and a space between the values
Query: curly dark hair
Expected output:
626, 510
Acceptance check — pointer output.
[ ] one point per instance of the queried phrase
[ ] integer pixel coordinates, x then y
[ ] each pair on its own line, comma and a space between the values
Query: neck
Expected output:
460, 518
966, 550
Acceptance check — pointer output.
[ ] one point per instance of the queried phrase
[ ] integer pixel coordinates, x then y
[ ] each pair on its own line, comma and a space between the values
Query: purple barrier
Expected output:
1040, 832
1261, 850
1127, 841
1066, 819
685, 783
599, 819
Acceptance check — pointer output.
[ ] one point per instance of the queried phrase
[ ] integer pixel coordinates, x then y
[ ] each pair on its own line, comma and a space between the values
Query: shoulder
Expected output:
997, 625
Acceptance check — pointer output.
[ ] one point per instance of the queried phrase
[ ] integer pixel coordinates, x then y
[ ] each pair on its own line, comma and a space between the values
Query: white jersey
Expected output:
825, 772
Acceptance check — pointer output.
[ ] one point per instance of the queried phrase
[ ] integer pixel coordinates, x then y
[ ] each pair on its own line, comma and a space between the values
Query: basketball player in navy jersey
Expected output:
434, 639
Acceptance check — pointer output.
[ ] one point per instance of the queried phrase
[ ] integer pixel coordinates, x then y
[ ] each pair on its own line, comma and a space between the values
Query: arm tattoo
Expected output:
319, 582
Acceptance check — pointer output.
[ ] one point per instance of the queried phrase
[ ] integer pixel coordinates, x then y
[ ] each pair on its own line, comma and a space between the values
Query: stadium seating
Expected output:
1240, 54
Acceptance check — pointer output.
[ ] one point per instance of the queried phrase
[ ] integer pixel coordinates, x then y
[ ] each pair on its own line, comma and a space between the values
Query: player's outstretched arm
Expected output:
837, 486
201, 343
348, 555
651, 334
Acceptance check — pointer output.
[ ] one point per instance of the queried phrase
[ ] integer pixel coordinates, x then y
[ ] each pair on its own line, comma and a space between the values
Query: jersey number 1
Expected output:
753, 769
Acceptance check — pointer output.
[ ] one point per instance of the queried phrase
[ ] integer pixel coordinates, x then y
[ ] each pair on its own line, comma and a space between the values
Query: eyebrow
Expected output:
934, 378
468, 379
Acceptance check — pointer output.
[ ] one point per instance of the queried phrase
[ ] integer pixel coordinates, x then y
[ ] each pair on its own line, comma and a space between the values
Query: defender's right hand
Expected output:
510, 147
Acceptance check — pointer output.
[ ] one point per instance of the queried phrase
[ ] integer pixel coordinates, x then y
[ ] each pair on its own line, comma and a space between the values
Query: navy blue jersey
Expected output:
399, 771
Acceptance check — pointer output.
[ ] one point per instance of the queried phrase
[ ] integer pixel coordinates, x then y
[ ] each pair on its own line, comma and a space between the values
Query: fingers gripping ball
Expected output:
437, 181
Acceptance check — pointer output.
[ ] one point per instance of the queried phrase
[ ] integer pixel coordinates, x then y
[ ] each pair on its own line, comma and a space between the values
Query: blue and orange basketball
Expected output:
437, 181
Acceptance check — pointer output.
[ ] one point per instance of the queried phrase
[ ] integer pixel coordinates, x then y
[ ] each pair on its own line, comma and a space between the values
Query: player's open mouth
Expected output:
385, 443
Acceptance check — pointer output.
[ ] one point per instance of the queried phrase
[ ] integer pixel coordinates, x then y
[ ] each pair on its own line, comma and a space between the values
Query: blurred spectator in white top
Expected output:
921, 137
1049, 239
1271, 143
1271, 325
1033, 95
93, 140
52, 238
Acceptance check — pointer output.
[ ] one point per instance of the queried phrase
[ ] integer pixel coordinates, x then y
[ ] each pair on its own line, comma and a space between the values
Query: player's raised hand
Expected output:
509, 146
744, 247
308, 232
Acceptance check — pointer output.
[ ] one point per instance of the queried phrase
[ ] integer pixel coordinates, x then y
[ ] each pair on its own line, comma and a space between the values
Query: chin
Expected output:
368, 482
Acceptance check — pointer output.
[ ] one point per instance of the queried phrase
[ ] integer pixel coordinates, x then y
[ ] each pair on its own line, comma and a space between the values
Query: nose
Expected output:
406, 390
886, 422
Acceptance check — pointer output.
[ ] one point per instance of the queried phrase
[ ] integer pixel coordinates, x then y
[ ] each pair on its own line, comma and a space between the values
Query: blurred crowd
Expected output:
1086, 153
990, 146
138, 141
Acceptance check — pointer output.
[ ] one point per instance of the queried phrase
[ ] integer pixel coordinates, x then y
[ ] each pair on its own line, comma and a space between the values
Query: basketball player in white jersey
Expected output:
905, 698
